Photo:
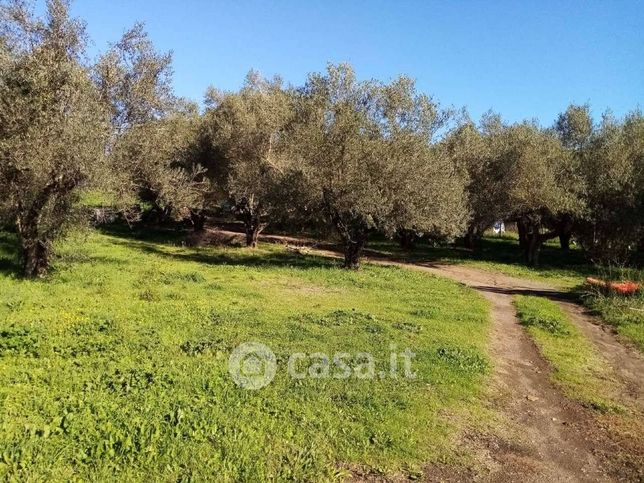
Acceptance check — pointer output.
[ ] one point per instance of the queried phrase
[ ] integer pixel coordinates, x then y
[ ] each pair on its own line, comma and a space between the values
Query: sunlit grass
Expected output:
625, 314
115, 366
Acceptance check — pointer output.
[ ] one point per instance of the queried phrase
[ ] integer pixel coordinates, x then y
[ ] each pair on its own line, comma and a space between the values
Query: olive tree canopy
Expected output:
365, 153
152, 130
613, 170
517, 172
248, 129
156, 163
478, 152
543, 184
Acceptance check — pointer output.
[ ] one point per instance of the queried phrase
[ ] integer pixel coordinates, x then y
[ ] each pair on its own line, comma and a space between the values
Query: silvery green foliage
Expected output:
155, 165
366, 154
250, 131
610, 158
135, 80
516, 172
152, 130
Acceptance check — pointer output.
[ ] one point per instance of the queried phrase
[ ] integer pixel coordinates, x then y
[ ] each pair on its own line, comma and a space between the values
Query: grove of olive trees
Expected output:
368, 161
357, 157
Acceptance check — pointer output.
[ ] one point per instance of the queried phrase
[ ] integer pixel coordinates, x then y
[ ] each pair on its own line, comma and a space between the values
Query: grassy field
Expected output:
625, 314
115, 366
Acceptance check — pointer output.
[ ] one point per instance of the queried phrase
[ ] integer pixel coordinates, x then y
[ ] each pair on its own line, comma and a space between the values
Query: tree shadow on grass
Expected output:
503, 250
164, 243
556, 295
161, 235
497, 250
236, 257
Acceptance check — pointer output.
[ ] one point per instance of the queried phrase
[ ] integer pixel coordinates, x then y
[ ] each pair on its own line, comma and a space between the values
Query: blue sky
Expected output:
524, 59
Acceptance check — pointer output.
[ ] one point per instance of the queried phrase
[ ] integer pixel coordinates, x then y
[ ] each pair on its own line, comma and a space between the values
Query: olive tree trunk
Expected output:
198, 220
252, 235
354, 238
253, 227
565, 227
534, 240
353, 251
407, 239
531, 250
471, 237
36, 249
35, 241
523, 236
564, 241
35, 258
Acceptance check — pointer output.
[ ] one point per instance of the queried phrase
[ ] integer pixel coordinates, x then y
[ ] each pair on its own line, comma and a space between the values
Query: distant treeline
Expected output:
356, 157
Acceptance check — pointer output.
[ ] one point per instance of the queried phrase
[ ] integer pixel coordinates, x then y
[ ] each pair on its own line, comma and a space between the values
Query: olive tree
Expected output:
52, 125
479, 152
543, 184
152, 131
135, 80
613, 170
575, 129
516, 172
248, 130
609, 159
364, 151
158, 165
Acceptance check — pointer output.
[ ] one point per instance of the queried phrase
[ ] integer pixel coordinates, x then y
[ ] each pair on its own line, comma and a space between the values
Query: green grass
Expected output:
578, 367
115, 366
97, 199
626, 314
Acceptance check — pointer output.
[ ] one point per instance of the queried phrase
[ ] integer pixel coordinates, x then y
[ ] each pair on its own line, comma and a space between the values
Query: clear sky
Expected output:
522, 58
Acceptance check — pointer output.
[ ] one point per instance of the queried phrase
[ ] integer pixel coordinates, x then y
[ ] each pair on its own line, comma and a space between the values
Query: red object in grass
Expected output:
622, 288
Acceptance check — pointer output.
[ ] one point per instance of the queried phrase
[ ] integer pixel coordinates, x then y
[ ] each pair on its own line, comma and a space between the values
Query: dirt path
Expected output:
553, 439
545, 436
546, 429
625, 361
